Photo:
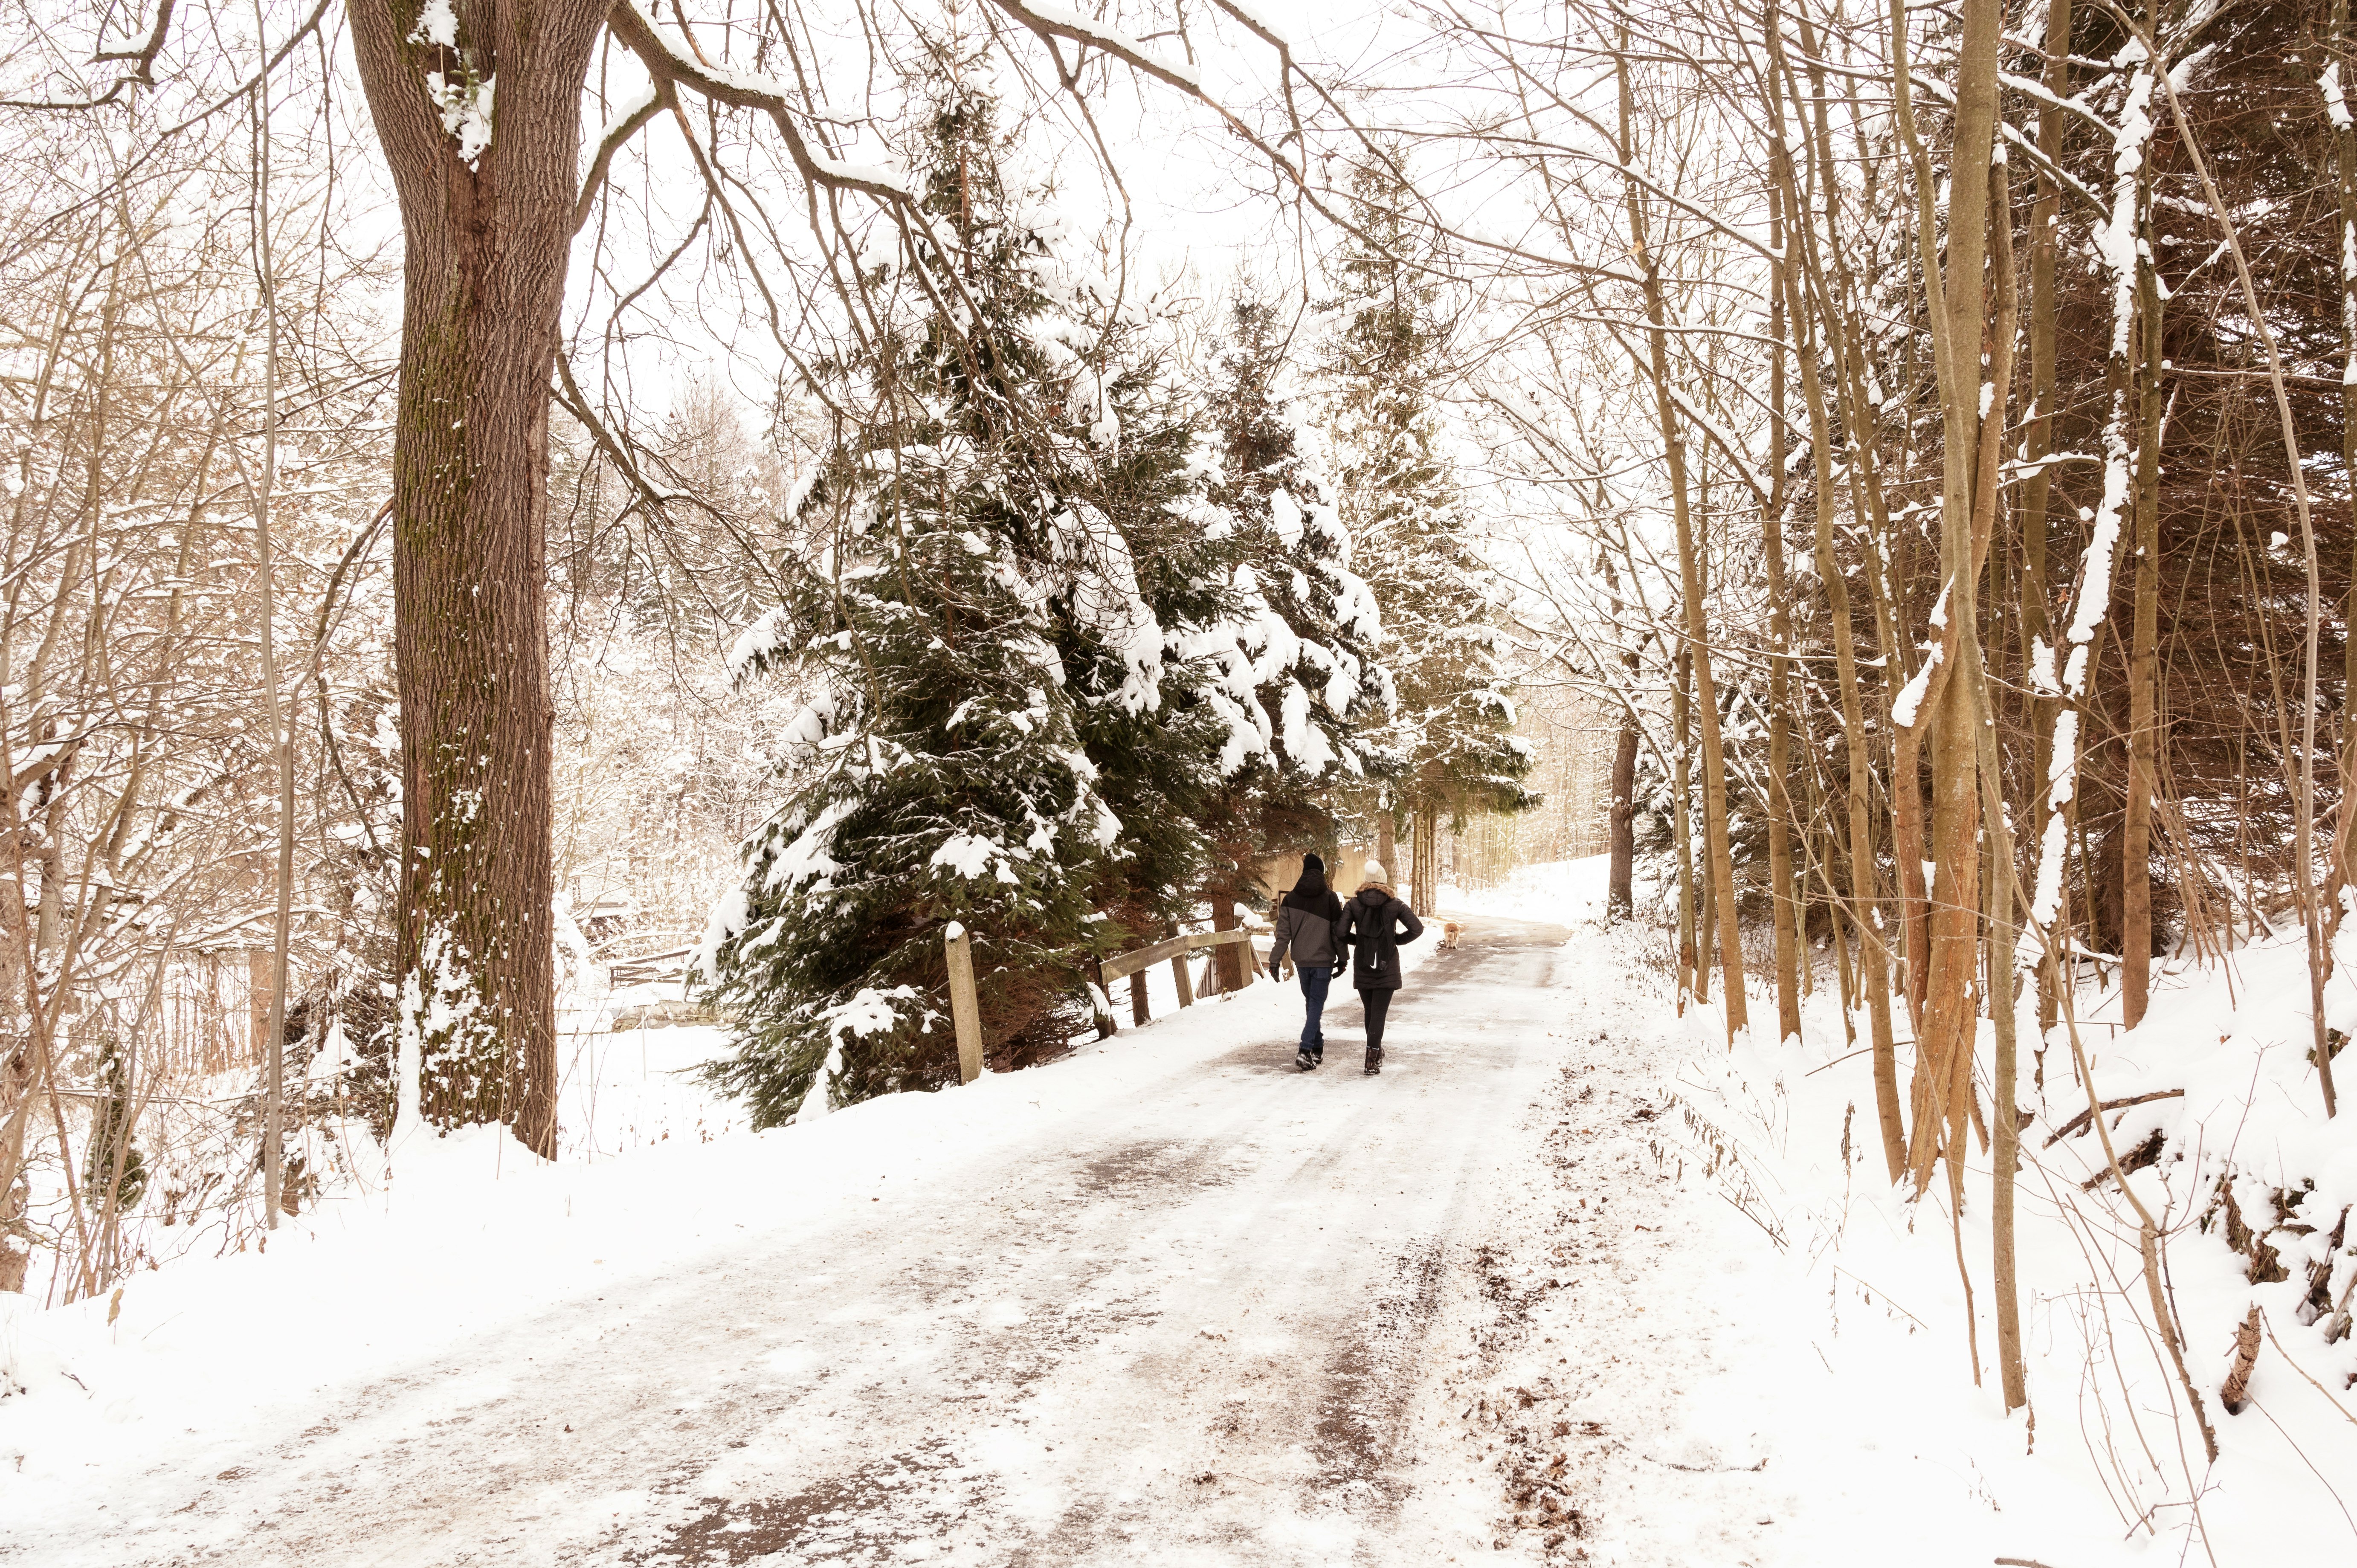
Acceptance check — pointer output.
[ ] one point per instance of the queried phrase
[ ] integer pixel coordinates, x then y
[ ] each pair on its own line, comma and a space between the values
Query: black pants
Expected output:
1378, 1004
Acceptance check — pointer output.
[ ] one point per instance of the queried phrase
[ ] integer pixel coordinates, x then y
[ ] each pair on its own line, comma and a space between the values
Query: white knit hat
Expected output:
1374, 873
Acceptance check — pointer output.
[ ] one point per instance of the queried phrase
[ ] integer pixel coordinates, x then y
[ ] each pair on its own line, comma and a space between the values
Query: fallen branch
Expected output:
2080, 1122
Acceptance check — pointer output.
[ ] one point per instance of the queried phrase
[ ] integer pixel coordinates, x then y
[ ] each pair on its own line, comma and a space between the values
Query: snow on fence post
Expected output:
964, 1010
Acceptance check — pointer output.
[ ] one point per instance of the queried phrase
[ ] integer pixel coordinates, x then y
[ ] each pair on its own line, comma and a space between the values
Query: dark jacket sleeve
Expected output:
1415, 926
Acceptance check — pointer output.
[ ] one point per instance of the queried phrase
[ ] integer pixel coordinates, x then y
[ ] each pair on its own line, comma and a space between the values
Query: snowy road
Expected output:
1180, 1324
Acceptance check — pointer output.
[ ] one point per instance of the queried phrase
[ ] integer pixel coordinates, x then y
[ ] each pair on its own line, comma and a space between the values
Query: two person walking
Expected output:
1320, 931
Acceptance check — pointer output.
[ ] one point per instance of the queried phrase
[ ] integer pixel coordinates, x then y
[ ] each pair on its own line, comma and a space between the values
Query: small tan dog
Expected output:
1450, 931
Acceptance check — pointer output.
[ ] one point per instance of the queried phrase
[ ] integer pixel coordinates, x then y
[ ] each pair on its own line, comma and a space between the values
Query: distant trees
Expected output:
1448, 748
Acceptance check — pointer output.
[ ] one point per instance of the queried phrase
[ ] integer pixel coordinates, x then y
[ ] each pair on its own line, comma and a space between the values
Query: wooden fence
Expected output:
964, 1013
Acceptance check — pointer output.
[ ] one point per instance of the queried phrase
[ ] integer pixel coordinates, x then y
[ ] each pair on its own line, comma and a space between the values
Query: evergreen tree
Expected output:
999, 734
1449, 749
1306, 629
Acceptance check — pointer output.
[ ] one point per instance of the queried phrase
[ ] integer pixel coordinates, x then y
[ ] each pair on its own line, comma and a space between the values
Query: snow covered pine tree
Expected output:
1008, 641
1308, 628
1449, 747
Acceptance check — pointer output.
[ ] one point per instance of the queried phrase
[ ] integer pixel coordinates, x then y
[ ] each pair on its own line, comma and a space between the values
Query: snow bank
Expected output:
1865, 1368
2113, 1465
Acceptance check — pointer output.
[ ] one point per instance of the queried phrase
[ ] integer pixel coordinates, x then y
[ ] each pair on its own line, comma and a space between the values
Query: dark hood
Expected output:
1309, 892
1374, 897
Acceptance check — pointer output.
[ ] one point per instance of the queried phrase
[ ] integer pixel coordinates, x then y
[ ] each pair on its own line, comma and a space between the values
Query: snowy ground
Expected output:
1567, 1283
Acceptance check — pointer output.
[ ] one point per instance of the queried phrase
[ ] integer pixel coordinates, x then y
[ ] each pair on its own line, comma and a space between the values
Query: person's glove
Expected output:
1274, 972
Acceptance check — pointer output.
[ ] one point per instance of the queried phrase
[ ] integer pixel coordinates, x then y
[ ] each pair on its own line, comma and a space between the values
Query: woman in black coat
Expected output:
1374, 923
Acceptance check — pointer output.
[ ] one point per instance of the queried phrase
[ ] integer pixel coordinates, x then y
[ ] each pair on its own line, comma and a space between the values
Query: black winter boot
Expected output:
1304, 1060
1374, 1063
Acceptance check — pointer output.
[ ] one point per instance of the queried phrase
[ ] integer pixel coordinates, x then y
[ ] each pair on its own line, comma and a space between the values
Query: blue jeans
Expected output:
1315, 979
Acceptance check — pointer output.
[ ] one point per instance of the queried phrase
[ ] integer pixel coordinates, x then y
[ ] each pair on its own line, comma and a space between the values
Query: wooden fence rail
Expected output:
964, 1013
1122, 965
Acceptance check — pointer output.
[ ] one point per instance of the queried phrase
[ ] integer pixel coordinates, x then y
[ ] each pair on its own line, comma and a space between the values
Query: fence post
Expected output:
964, 1010
1186, 982
1105, 1025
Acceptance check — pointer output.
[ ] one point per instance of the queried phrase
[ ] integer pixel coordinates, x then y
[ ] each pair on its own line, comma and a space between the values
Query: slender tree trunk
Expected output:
2344, 170
1387, 842
1682, 826
2045, 224
275, 700
483, 280
2004, 1142
1424, 888
2144, 648
1969, 454
2003, 972
1706, 934
1620, 887
1720, 862
1780, 645
1873, 950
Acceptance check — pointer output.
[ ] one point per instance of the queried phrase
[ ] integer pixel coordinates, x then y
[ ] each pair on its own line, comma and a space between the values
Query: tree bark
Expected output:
483, 279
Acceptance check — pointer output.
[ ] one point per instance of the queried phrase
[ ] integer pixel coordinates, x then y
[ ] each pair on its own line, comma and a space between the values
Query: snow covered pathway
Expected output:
1188, 1317
1170, 1302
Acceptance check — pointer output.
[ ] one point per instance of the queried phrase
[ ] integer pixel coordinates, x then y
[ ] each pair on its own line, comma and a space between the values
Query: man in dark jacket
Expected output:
1374, 924
1305, 925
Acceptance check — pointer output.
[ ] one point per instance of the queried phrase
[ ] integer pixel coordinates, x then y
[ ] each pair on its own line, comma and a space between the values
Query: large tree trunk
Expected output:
483, 279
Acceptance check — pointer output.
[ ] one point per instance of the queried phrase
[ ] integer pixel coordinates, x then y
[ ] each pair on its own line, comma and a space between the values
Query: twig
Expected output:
2296, 1366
